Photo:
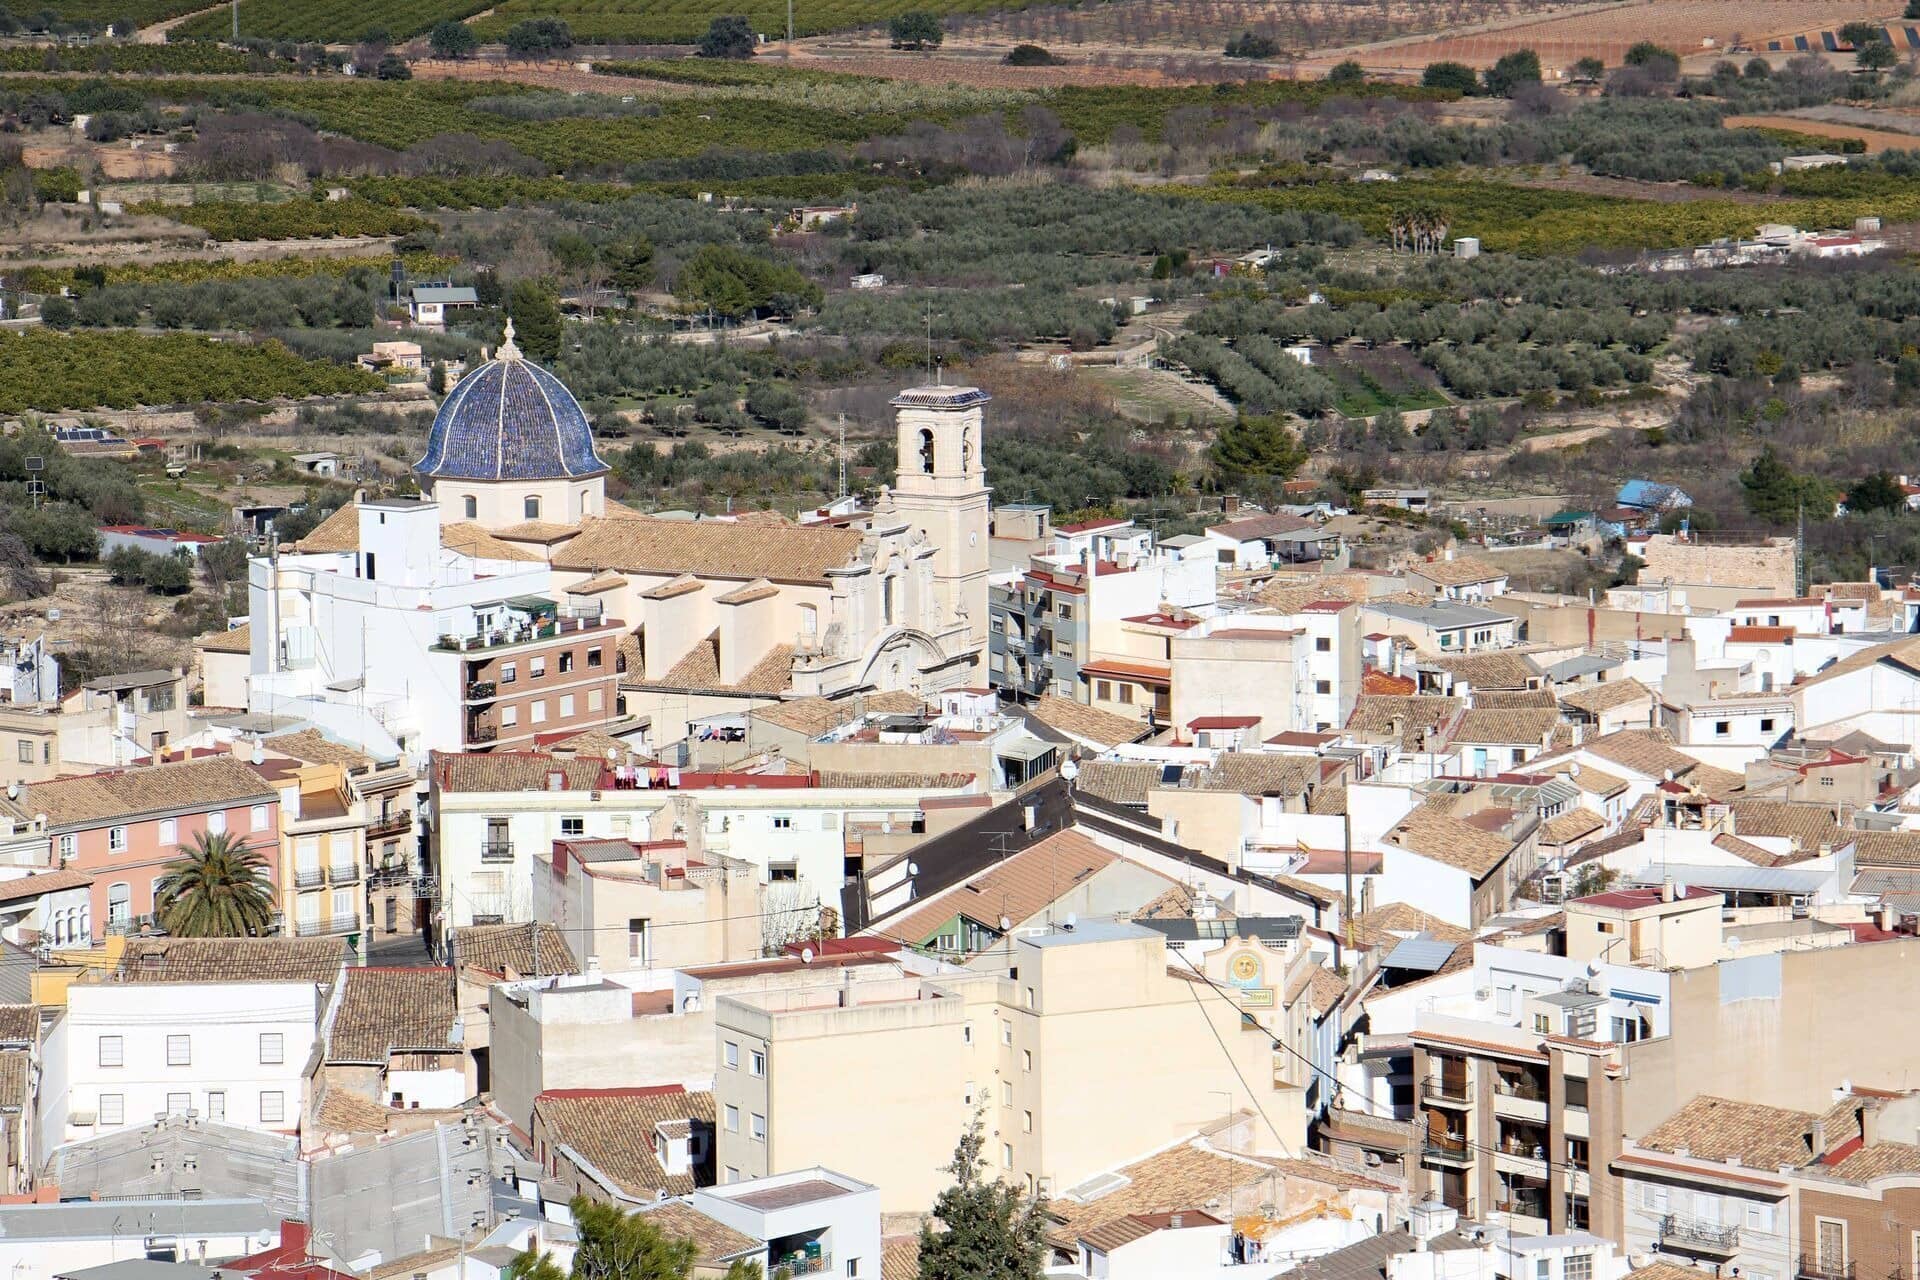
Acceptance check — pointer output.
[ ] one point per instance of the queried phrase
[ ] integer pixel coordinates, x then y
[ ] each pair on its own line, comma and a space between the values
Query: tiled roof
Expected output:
341, 532
510, 420
1118, 781
159, 788
1018, 887
1326, 989
1594, 699
338, 532
32, 886
1462, 571
1571, 825
1291, 595
1808, 825
1090, 724
1509, 699
537, 531
15, 1071
1518, 725
344, 1111
1649, 752
233, 640
814, 716
893, 781
1138, 1226
1380, 682
1176, 904
1392, 921
1597, 782
1900, 653
717, 1242
1745, 851
699, 669
232, 960
709, 549
1179, 1178
392, 1010
1714, 1129
316, 748
613, 1130
900, 1258
513, 771
1258, 773
1375, 714
510, 948
1885, 848
1433, 832
1499, 670
19, 1023
1879, 1160
1327, 800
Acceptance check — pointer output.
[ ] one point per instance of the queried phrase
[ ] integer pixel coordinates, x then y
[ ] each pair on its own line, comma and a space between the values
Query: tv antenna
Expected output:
36, 487
843, 455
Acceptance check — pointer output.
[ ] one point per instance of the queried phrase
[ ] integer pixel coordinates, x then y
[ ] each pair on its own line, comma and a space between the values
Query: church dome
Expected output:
510, 420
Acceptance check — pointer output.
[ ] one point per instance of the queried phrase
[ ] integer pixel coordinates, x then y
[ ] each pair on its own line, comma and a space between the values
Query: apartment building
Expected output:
125, 827
806, 1221
882, 1079
647, 905
110, 721
220, 1028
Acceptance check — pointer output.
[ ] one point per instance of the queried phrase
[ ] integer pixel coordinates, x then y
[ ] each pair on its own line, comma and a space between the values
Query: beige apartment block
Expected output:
1088, 1050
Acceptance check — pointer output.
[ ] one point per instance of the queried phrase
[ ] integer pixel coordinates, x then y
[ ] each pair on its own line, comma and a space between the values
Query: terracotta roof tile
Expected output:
718, 1243
1258, 773
1089, 724
19, 1023
1713, 1129
1119, 781
384, 1011
1574, 824
232, 960
1878, 1161
1499, 670
510, 949
709, 549
315, 747
1593, 699
1520, 725
1018, 887
1510, 699
1808, 825
513, 771
1375, 714
344, 1111
613, 1130
1433, 832
15, 1071
1462, 571
814, 716
341, 532
160, 788
32, 886
233, 640
900, 1258
1885, 848
1392, 921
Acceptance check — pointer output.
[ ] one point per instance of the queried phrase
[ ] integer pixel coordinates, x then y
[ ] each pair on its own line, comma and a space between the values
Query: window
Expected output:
596, 700
1577, 1213
1126, 694
1503, 1000
509, 717
509, 672
1721, 728
537, 712
733, 1118
1577, 1152
1006, 1093
116, 839
1103, 690
257, 818
178, 1104
757, 1063
69, 846
216, 1104
26, 751
217, 823
1006, 1032
1627, 1030
1323, 686
1826, 779
531, 508
119, 903
113, 1051
1576, 1090
1578, 1266
783, 872
470, 506
640, 942
566, 706
966, 1098
1026, 1059
566, 661
853, 1269
1760, 1218
179, 1051
757, 1129
273, 1107
1322, 644
1006, 1155
1830, 1238
536, 667
782, 822
1542, 1024
169, 831
733, 1174
1026, 1122
1543, 1269
1029, 997
1766, 724
113, 1108
573, 825
273, 1048
966, 1034
594, 658
370, 575
160, 698
1066, 613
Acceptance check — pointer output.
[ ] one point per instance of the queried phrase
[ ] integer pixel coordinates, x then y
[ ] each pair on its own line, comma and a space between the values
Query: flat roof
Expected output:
810, 1191
1086, 931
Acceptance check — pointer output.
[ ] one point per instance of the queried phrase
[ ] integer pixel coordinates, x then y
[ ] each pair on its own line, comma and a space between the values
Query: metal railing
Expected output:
324, 925
480, 690
482, 733
802, 1265
391, 824
1526, 1089
309, 877
130, 924
1439, 1148
344, 873
1693, 1234
1814, 1267
496, 851
1445, 1090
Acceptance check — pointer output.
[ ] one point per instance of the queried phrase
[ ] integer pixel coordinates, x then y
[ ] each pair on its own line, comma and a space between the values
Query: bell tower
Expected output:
941, 489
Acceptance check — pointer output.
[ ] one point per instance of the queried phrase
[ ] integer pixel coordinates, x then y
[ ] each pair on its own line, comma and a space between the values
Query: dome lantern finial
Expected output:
507, 351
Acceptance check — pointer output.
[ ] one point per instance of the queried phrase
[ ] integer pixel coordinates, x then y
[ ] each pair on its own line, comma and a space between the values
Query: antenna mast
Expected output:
843, 455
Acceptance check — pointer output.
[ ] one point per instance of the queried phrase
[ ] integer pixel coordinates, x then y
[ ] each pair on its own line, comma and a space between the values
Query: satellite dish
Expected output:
259, 756
806, 955
913, 868
1070, 770
1667, 775
1072, 919
1573, 770
1593, 968
1733, 939
1006, 925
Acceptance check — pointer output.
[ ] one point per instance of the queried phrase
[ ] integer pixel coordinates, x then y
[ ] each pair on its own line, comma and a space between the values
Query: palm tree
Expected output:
218, 890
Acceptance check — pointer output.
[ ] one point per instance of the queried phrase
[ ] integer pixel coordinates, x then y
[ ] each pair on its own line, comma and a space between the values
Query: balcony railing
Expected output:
1695, 1236
482, 733
381, 877
519, 633
1814, 1267
480, 691
309, 877
323, 926
1443, 1090
800, 1264
396, 823
344, 873
1531, 1090
129, 924
496, 851
1451, 1150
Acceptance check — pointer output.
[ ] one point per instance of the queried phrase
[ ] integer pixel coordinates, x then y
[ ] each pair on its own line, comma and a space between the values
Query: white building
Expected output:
220, 1028
814, 1221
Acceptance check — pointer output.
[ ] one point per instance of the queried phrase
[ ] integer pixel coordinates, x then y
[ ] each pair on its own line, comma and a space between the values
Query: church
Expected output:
717, 614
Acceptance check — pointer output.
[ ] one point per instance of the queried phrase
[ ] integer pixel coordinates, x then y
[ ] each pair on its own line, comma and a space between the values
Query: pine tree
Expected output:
536, 321
1250, 448
989, 1231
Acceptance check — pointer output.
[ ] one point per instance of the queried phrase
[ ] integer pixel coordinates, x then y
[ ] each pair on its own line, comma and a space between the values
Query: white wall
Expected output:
1432, 886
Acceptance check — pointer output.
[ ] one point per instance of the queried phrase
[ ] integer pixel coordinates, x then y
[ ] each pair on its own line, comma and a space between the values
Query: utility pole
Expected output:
236, 21
1800, 548
789, 29
843, 455
1346, 849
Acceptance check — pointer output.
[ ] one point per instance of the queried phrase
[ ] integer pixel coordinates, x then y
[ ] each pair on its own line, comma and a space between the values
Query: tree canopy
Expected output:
539, 35
219, 889
1256, 448
1877, 491
988, 1230
536, 321
735, 283
916, 29
452, 39
1451, 75
1777, 494
728, 36
1505, 77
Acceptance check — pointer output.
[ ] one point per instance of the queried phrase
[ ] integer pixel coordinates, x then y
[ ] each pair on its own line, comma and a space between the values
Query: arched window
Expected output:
472, 507
532, 508
119, 904
966, 449
809, 620
926, 452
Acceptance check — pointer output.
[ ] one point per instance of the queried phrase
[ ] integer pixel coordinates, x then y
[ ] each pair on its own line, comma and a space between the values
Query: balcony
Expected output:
384, 877
1690, 1235
1814, 1267
326, 926
344, 873
482, 732
309, 877
397, 823
496, 851
801, 1263
1521, 1102
521, 631
129, 924
1452, 1093
1445, 1149
481, 691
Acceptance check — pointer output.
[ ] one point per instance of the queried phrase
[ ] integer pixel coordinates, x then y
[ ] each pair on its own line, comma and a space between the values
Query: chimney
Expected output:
1819, 1138
1175, 1222
293, 1235
1666, 891
1869, 1125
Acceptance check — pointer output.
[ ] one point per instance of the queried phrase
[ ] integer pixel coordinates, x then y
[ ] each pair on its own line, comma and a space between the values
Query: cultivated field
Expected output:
1682, 25
1877, 140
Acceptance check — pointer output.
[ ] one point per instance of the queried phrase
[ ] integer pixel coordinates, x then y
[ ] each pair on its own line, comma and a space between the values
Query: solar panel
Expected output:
1421, 952
1170, 774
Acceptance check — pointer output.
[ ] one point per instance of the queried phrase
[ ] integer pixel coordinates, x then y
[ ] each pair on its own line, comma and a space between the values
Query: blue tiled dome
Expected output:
510, 420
